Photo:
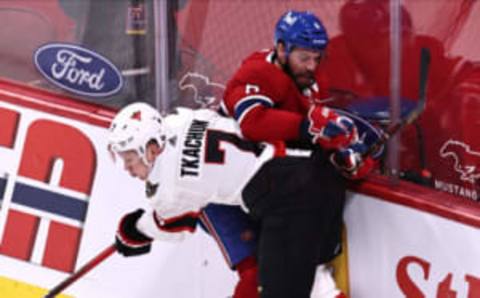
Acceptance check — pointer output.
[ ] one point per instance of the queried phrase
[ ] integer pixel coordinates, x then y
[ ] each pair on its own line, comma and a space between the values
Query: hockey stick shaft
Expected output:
104, 254
415, 113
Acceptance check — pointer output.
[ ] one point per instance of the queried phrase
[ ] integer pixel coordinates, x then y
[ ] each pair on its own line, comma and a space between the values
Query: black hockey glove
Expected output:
129, 241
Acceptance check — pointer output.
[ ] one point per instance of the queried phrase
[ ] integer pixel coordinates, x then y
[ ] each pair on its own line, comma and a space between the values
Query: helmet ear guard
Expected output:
133, 128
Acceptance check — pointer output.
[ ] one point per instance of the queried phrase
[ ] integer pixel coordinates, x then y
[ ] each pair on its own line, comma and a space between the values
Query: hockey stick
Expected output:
82, 271
415, 113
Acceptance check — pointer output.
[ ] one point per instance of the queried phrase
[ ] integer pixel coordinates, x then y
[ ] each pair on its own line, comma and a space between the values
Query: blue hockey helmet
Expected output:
301, 29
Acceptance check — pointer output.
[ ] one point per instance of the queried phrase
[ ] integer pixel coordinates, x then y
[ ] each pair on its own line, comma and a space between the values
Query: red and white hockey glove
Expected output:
329, 129
350, 162
129, 241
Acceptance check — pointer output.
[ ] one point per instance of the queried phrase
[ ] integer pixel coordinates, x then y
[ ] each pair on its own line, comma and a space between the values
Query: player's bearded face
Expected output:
302, 64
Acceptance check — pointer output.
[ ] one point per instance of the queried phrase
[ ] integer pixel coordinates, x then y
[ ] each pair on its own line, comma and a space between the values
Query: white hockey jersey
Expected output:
205, 161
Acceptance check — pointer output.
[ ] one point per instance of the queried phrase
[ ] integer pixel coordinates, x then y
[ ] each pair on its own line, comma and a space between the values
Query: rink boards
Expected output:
61, 197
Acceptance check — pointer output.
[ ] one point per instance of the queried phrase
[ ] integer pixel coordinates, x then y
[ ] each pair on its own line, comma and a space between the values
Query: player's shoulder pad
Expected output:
182, 115
178, 117
205, 114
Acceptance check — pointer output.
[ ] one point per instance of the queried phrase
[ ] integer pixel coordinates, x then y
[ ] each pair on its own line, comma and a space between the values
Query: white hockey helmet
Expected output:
134, 127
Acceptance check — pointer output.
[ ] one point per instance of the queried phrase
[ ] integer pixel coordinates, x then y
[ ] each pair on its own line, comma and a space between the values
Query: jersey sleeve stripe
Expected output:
184, 222
213, 232
247, 103
223, 109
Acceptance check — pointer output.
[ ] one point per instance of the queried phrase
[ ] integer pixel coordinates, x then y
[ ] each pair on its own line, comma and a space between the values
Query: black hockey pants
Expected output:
299, 203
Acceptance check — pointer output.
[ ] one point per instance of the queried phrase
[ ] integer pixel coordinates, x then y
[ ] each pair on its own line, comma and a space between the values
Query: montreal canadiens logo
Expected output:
78, 70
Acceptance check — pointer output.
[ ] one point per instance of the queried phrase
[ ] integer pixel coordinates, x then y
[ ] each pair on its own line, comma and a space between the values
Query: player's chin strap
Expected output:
157, 155
155, 163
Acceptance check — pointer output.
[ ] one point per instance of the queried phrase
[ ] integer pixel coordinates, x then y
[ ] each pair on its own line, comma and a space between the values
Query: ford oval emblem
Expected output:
78, 70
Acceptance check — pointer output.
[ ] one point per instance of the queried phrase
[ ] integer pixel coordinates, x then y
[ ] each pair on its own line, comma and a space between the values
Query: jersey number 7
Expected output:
215, 154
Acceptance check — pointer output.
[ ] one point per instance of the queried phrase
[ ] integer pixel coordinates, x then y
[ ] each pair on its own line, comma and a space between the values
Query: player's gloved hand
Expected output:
350, 162
129, 241
329, 129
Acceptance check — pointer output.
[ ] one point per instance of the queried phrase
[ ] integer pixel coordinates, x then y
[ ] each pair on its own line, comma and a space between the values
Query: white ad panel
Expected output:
53, 160
397, 251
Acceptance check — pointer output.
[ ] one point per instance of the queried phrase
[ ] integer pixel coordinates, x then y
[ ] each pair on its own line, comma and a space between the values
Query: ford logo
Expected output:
78, 70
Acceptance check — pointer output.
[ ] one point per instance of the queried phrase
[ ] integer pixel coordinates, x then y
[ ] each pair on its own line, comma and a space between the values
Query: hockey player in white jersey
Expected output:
195, 158
189, 160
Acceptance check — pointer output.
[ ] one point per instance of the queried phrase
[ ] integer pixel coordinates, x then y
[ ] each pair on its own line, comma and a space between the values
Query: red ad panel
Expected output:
19, 235
62, 247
